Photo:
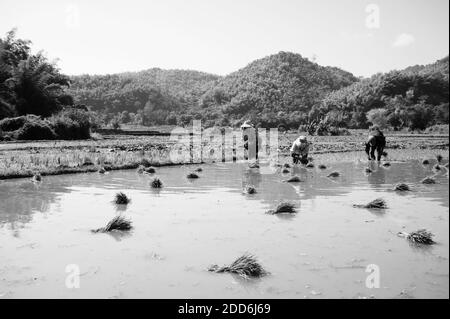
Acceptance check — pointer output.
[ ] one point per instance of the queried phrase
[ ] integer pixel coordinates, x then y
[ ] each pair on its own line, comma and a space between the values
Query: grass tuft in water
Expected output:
283, 208
402, 187
334, 174
246, 266
378, 203
118, 223
156, 183
428, 180
122, 199
420, 237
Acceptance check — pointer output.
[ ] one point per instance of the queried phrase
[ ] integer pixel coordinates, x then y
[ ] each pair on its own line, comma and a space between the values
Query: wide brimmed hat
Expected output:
246, 125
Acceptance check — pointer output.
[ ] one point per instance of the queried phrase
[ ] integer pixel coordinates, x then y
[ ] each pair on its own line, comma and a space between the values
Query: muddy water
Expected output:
322, 252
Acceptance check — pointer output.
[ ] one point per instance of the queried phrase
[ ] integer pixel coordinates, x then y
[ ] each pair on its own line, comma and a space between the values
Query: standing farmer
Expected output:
375, 142
300, 150
251, 141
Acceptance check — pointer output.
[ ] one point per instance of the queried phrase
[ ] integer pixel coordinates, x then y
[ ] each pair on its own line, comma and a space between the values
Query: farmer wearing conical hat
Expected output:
251, 140
375, 142
300, 150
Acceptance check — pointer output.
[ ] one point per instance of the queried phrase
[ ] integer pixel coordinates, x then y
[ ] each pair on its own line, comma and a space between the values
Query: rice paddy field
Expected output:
315, 237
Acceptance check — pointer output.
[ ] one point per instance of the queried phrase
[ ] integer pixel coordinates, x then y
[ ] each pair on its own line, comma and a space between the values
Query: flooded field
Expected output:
323, 251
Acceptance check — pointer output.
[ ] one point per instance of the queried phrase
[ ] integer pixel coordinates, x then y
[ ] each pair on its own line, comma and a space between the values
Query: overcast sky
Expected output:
221, 36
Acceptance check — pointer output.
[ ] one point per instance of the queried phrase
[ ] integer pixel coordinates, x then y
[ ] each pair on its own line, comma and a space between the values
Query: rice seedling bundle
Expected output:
121, 199
37, 177
419, 237
192, 176
249, 189
294, 179
402, 187
378, 203
428, 180
118, 223
246, 266
283, 208
334, 174
156, 183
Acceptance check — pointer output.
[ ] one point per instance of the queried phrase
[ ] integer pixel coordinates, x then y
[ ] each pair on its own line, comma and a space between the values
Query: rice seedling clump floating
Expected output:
322, 166
425, 162
122, 199
421, 237
386, 164
192, 176
199, 169
334, 174
246, 266
156, 183
283, 208
118, 223
310, 165
402, 187
428, 180
378, 203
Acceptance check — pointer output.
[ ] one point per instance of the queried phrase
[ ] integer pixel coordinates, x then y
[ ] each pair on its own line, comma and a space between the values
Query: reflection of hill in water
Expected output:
21, 198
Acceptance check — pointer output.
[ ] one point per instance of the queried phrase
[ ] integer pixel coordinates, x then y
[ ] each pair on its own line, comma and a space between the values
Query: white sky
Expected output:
221, 36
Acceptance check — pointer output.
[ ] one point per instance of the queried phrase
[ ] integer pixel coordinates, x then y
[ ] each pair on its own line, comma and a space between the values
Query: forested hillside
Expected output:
415, 97
279, 88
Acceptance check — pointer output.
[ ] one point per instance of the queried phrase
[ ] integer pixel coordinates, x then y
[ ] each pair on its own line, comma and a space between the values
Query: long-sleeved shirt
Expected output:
299, 148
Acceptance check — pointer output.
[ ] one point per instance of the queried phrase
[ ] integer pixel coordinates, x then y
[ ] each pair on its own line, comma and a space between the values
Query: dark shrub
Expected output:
71, 124
35, 130
15, 123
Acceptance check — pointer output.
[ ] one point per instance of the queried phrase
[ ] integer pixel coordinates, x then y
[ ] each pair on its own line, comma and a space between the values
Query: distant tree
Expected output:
378, 117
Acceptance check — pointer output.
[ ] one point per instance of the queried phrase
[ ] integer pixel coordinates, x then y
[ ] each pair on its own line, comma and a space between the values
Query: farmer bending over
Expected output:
300, 150
375, 142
